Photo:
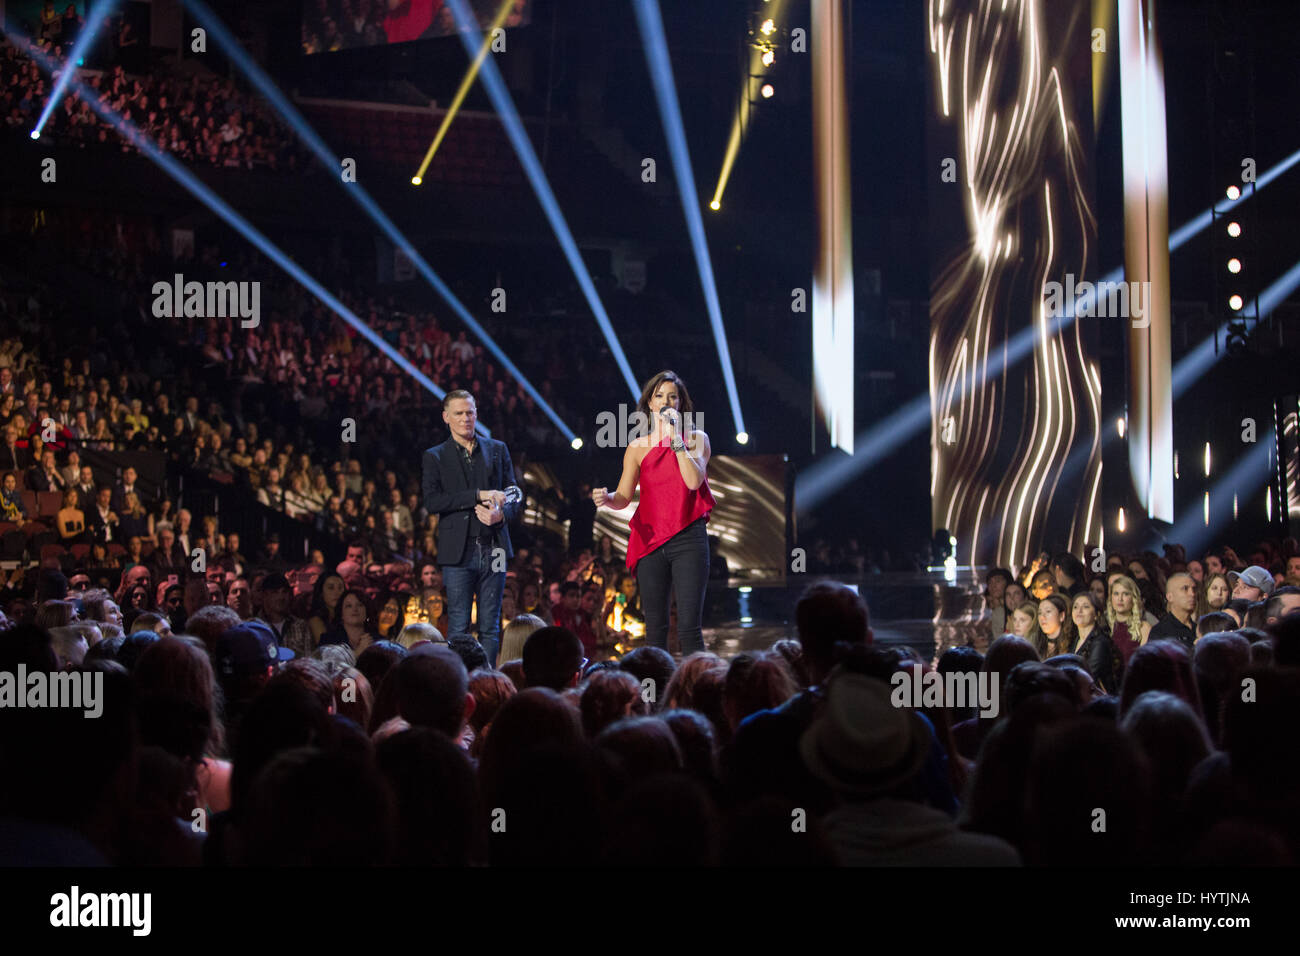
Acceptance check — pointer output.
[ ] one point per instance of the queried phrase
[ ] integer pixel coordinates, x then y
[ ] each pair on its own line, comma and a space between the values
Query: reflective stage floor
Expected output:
925, 610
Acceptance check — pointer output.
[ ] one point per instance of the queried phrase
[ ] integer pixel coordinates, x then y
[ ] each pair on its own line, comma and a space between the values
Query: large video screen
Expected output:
330, 25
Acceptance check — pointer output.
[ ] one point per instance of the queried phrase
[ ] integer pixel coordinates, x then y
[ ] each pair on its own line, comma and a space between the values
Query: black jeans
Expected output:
681, 562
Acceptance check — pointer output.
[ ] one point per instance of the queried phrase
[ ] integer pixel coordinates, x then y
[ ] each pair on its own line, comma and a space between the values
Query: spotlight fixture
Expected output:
1235, 303
1234, 229
767, 91
743, 438
36, 134
1234, 266
715, 205
768, 57
416, 180
576, 443
768, 27
1234, 193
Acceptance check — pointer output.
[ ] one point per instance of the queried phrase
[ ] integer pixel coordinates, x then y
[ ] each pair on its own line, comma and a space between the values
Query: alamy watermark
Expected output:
619, 429
977, 691
208, 300
79, 690
1102, 300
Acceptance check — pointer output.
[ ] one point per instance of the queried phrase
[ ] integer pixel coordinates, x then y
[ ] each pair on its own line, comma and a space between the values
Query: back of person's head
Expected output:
432, 690
697, 742
176, 693
313, 675
469, 650
440, 821
1216, 661
1214, 622
54, 613
1172, 737
1078, 768
653, 664
755, 682
105, 650
516, 633
828, 614
417, 632
527, 720
282, 717
791, 652
681, 689
134, 646
491, 689
609, 695
1004, 654
515, 671
639, 747
378, 659
552, 658
313, 807
1031, 679
209, 622
1160, 665
354, 696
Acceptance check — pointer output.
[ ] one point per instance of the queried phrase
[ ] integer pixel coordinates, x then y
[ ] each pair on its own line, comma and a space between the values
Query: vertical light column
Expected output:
832, 299
1146, 256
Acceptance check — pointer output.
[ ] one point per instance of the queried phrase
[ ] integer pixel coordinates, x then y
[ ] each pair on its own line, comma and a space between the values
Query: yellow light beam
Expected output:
470, 75
754, 79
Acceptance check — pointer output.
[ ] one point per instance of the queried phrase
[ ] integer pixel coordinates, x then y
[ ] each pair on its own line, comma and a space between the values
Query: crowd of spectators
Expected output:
384, 743
200, 118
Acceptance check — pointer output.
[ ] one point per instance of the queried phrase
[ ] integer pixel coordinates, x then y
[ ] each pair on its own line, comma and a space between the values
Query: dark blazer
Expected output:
446, 495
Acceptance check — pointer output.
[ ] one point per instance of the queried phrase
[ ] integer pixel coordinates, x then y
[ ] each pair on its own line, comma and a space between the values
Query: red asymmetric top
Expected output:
667, 505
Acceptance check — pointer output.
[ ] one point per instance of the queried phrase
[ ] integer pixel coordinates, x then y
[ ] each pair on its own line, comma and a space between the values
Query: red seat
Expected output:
49, 503
80, 551
32, 528
51, 551
30, 503
7, 526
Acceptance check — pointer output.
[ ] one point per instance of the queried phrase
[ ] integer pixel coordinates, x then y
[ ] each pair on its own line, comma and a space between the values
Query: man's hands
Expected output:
488, 510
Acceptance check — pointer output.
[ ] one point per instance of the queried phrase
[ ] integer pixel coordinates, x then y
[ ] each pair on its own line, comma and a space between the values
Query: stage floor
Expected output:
924, 610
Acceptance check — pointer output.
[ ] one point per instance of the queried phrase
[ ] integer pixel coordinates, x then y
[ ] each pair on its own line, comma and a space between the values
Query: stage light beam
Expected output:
258, 78
661, 73
509, 116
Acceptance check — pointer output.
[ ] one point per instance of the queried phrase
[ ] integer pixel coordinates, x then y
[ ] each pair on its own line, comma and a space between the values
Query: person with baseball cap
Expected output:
1253, 584
245, 658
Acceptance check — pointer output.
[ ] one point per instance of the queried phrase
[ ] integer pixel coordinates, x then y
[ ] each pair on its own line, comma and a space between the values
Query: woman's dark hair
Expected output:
378, 659
384, 598
318, 608
684, 404
1068, 632
1160, 665
178, 699
440, 821
609, 696
756, 682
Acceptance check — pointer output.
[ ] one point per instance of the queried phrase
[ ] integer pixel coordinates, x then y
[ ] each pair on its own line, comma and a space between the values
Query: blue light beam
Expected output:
201, 192
95, 18
661, 72
295, 119
514, 127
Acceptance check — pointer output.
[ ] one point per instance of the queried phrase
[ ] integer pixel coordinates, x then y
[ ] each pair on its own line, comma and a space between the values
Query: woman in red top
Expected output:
667, 544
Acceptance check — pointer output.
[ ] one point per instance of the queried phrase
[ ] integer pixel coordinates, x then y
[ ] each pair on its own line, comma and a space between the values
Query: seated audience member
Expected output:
870, 754
553, 658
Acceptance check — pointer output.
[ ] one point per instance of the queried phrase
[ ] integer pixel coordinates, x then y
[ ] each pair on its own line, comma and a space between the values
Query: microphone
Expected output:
669, 415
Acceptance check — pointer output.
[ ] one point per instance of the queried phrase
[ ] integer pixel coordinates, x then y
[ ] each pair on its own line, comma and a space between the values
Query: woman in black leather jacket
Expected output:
1094, 644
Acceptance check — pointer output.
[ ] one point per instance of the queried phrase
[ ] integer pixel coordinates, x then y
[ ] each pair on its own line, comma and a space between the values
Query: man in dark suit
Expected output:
125, 487
464, 482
